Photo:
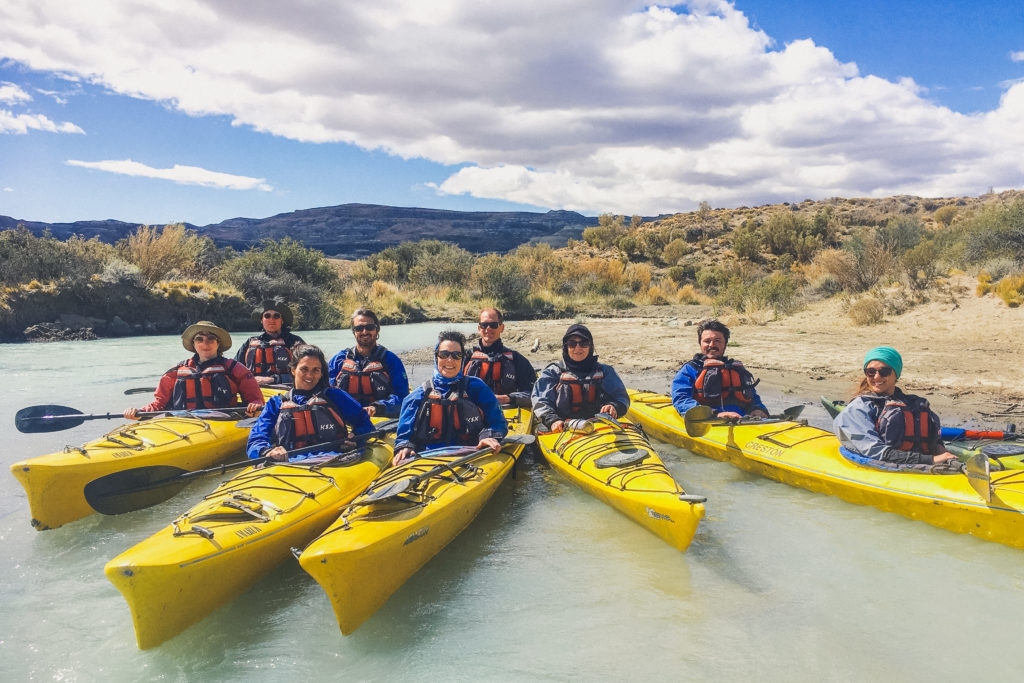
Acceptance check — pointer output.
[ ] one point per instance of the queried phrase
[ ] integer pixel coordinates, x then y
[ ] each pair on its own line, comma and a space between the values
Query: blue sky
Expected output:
209, 111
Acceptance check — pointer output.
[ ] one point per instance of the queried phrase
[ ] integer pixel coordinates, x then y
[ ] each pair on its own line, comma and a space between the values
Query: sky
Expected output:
200, 111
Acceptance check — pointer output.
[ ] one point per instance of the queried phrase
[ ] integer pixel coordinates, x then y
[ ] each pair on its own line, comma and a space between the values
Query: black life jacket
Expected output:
315, 421
577, 396
365, 381
211, 387
268, 357
722, 382
907, 423
447, 418
497, 370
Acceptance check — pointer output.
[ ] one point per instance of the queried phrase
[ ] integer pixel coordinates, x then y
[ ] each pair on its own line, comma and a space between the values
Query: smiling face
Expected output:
206, 346
578, 348
712, 344
450, 366
365, 331
308, 372
489, 334
272, 322
876, 382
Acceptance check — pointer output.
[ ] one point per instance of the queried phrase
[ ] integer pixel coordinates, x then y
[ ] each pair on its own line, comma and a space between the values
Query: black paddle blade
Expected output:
391, 490
1002, 450
139, 390
39, 419
134, 489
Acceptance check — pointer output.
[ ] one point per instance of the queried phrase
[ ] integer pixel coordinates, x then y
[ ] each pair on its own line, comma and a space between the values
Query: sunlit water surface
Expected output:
548, 583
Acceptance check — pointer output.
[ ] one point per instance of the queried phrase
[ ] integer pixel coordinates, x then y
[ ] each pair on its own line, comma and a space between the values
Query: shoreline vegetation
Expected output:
806, 288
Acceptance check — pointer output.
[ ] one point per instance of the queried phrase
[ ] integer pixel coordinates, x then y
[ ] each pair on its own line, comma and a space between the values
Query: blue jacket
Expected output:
613, 392
262, 437
388, 407
478, 392
682, 392
855, 427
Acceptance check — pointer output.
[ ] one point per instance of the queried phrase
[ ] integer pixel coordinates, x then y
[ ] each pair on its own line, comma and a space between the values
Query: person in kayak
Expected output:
712, 379
508, 373
312, 412
579, 386
882, 423
207, 379
450, 408
269, 354
368, 372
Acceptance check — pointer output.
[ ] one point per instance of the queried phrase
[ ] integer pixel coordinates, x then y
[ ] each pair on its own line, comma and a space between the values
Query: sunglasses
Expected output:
363, 328
881, 372
491, 325
582, 343
456, 355
271, 316
204, 338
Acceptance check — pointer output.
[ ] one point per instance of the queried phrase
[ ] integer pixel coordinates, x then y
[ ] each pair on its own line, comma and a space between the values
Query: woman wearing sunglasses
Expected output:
207, 379
449, 409
269, 354
579, 386
884, 424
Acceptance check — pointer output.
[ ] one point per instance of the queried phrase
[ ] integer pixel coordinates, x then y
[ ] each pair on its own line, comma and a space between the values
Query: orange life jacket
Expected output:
497, 370
211, 387
447, 418
723, 382
268, 357
577, 396
909, 425
365, 381
306, 424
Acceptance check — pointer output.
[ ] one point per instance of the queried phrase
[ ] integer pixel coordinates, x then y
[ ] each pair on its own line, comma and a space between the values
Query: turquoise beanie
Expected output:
887, 355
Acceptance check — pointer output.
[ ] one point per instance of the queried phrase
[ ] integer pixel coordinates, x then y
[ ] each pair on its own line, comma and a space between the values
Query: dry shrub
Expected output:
866, 311
836, 265
638, 276
984, 283
1011, 290
688, 295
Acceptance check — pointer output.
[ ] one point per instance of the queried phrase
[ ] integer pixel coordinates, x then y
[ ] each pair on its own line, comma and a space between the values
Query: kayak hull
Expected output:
644, 491
809, 458
55, 483
375, 547
223, 545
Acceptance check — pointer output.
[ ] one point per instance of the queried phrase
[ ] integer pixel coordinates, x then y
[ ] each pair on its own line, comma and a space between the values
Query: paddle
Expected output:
51, 418
143, 487
979, 476
402, 485
699, 419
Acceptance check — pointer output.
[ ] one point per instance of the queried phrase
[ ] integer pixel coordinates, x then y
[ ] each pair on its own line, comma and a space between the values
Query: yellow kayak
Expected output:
376, 545
613, 461
220, 547
808, 457
55, 483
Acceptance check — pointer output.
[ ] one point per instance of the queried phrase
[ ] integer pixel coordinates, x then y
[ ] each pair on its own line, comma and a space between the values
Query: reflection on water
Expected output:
549, 583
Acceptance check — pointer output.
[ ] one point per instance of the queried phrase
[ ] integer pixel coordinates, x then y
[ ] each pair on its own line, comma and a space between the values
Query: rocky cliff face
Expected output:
357, 230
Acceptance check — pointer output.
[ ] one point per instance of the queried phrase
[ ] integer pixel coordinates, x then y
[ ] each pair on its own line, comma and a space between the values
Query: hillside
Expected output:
356, 230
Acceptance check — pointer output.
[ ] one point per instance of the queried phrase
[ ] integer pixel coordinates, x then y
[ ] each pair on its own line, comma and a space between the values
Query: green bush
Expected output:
945, 215
25, 257
502, 279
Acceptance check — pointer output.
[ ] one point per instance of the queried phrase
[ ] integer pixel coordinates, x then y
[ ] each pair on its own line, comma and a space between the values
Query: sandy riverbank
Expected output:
964, 355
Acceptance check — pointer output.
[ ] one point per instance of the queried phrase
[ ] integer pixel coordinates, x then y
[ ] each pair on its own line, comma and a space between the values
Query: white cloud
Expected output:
11, 93
184, 175
8, 189
23, 123
1017, 56
585, 104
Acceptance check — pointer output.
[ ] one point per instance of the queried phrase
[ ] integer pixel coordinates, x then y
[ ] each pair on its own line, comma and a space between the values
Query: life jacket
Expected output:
722, 382
315, 421
907, 423
368, 383
447, 418
268, 357
497, 370
577, 396
211, 387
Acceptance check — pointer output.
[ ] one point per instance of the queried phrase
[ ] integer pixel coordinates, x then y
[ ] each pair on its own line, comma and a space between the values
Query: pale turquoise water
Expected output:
780, 583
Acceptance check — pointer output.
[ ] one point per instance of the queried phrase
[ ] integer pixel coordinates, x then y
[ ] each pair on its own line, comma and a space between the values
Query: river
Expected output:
780, 584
